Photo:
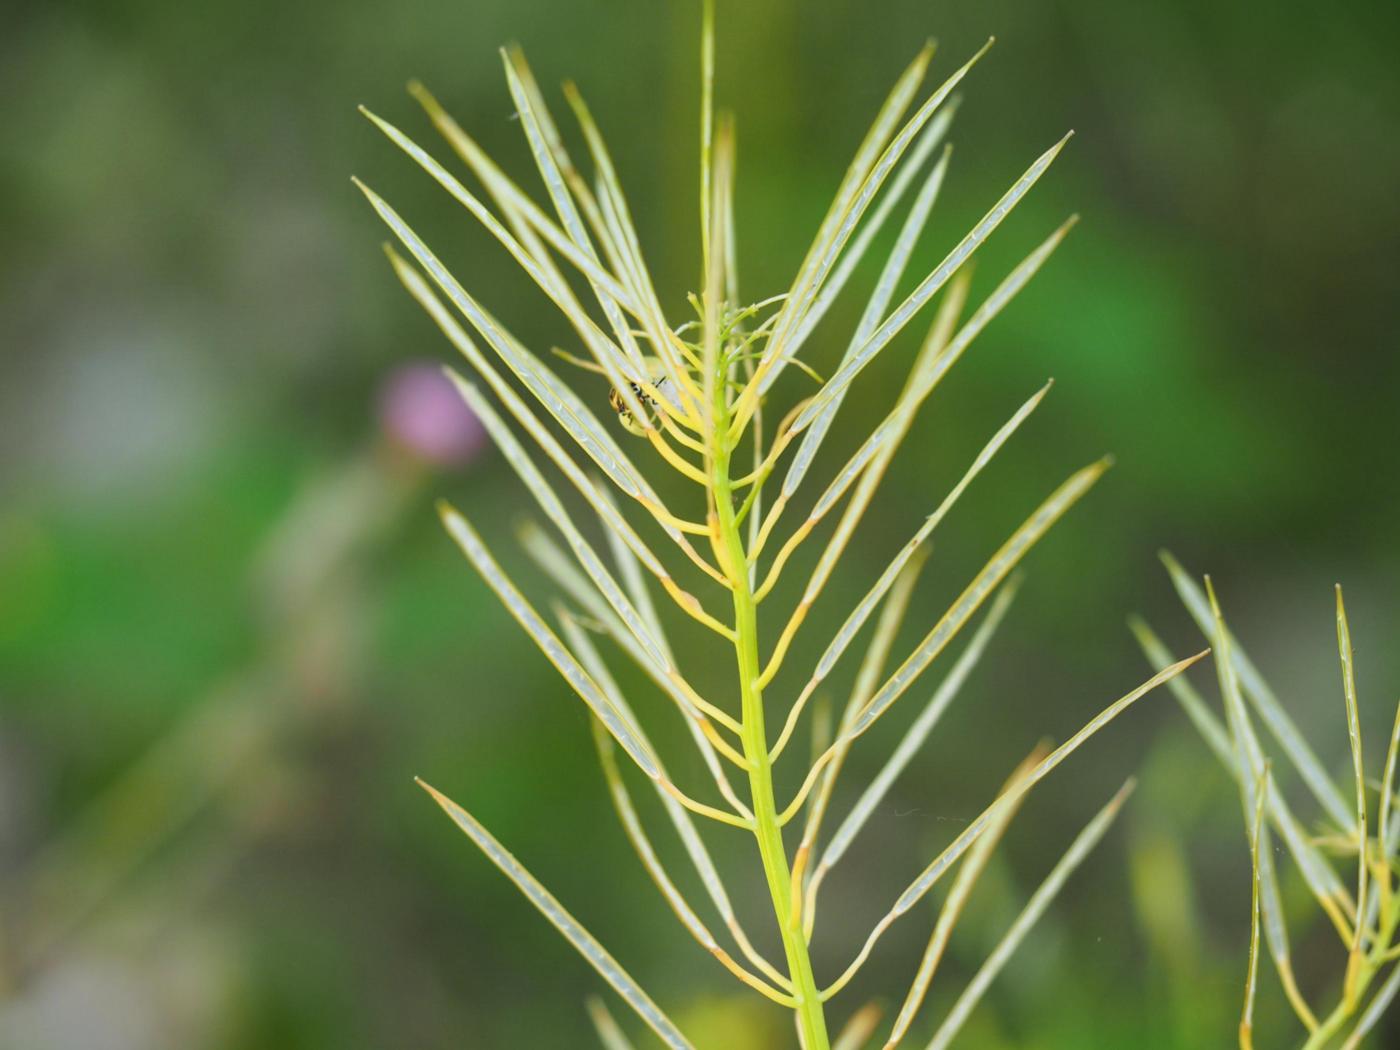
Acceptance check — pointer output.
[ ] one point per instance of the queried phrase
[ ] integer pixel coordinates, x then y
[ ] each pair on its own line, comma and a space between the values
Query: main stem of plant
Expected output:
810, 1019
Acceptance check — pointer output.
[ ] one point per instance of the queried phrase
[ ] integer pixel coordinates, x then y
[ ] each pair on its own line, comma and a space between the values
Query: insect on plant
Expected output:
624, 414
697, 399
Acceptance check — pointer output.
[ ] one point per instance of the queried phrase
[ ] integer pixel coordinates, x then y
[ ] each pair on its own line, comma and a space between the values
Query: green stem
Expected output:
810, 1018
1371, 964
1329, 1028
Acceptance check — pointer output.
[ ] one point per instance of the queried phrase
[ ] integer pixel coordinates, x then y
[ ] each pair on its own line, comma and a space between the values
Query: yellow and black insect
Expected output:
659, 381
648, 403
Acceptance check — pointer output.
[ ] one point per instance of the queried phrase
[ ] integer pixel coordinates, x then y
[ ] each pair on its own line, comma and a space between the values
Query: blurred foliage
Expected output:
196, 322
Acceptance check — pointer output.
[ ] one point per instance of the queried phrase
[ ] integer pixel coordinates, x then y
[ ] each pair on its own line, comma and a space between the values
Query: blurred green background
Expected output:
228, 613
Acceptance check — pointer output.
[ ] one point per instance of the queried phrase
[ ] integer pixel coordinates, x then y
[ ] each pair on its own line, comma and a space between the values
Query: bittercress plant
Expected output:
695, 398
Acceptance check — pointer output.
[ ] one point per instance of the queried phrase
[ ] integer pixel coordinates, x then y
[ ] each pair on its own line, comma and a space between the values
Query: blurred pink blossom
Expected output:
422, 413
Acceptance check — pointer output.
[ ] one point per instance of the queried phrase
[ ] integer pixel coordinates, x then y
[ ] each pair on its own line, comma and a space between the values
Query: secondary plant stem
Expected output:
810, 1018
1371, 964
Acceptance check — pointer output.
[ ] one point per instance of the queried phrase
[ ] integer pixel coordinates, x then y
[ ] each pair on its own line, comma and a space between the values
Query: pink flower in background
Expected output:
422, 413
